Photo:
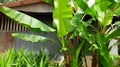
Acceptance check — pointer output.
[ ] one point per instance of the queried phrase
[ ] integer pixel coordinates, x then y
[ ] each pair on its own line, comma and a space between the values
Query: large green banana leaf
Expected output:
62, 15
104, 17
31, 38
26, 20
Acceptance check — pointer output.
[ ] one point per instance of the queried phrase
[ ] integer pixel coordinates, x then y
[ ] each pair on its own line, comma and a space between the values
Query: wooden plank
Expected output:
2, 21
8, 24
11, 25
5, 22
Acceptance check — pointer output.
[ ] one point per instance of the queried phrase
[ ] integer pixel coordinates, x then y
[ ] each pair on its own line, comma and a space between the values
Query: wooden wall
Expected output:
6, 41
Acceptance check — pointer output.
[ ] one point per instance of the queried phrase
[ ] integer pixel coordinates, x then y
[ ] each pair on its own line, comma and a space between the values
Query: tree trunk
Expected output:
94, 60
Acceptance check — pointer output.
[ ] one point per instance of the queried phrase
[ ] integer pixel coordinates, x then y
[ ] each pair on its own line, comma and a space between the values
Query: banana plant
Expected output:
62, 19
91, 34
102, 12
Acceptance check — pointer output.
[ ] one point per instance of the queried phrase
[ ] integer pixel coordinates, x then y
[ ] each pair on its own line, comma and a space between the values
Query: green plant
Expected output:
116, 59
98, 36
91, 34
119, 51
18, 58
6, 1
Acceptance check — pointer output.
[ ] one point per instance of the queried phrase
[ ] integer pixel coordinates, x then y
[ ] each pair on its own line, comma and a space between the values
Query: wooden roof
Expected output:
37, 6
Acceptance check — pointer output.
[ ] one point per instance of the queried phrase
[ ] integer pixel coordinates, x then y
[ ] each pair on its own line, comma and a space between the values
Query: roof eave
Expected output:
20, 3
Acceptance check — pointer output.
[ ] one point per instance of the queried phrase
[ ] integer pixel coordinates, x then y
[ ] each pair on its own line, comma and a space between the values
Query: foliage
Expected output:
26, 20
103, 18
49, 1
119, 51
116, 59
29, 22
6, 1
75, 32
32, 38
21, 58
62, 15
